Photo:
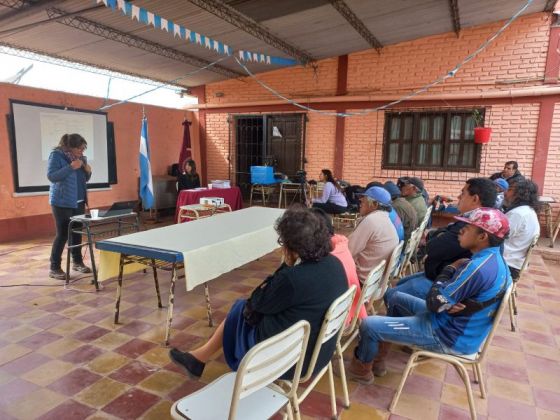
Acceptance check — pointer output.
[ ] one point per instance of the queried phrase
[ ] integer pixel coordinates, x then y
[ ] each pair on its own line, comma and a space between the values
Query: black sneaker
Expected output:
191, 365
57, 273
81, 267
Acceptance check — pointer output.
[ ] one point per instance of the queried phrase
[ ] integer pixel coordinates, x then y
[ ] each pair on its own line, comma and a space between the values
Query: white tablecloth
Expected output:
215, 245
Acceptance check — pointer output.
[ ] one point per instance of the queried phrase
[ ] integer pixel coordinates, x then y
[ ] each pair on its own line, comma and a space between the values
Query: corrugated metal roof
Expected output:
313, 26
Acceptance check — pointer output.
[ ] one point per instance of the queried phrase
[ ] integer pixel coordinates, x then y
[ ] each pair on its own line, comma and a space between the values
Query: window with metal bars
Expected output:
431, 140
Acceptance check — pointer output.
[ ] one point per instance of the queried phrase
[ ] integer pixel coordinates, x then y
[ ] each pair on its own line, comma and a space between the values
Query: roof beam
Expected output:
454, 12
72, 62
550, 5
112, 34
344, 10
241, 21
23, 8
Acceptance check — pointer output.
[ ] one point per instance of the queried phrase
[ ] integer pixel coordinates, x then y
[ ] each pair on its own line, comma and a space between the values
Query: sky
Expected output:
58, 77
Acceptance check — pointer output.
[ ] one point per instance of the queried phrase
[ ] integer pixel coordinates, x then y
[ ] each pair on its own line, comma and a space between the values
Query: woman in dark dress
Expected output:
188, 178
303, 287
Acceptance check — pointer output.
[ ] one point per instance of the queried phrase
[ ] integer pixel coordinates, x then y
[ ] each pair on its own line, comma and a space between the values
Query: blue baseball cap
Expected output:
379, 194
392, 188
502, 183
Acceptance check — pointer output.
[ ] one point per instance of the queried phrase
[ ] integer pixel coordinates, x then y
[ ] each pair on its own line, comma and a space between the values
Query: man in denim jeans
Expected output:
457, 314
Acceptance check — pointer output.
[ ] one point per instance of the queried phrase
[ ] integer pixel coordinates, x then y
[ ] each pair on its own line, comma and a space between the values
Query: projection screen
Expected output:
37, 129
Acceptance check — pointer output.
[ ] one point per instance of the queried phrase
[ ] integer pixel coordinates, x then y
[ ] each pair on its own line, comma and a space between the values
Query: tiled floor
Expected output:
61, 357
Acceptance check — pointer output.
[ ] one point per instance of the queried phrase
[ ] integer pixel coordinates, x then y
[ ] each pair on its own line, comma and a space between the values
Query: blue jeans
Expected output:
408, 323
417, 285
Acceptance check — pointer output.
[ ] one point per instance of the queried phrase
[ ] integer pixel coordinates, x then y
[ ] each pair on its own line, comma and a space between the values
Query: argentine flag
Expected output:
146, 186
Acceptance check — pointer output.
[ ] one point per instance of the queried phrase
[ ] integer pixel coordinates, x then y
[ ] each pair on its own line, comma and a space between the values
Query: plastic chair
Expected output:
349, 334
333, 323
250, 393
391, 271
513, 296
458, 362
409, 252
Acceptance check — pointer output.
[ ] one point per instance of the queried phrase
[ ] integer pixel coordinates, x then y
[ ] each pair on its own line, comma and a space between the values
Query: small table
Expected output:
105, 227
204, 250
231, 196
200, 211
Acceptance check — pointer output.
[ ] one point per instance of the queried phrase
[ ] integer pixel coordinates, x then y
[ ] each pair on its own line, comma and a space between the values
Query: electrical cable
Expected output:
166, 84
423, 89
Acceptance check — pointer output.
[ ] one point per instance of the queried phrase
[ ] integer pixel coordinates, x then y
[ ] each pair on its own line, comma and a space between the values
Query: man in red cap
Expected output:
457, 314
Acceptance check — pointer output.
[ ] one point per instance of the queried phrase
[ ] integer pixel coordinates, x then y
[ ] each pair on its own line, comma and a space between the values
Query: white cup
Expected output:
94, 213
209, 186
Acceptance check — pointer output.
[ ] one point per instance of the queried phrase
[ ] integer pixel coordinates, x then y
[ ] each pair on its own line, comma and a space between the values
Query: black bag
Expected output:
173, 170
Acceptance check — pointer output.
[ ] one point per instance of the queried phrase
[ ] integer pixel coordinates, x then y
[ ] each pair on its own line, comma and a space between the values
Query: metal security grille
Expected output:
272, 140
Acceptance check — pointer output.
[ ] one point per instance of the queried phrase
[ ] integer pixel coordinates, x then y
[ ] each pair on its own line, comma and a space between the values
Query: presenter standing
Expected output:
68, 173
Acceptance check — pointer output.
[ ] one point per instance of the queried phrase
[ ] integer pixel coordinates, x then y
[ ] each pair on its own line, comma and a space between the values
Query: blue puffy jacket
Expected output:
63, 191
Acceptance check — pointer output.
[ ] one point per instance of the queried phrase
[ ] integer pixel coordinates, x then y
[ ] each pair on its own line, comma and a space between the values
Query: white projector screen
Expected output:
37, 129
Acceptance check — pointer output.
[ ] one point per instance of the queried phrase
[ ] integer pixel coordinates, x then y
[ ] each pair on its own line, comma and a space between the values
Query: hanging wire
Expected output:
171, 82
423, 89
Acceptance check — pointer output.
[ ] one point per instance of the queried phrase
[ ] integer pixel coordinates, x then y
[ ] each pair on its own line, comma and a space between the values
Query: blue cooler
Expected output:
263, 175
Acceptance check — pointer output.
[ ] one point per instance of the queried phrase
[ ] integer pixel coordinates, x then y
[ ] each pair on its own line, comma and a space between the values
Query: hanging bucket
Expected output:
482, 135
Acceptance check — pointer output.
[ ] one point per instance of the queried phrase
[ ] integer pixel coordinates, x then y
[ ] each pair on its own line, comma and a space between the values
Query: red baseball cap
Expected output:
491, 220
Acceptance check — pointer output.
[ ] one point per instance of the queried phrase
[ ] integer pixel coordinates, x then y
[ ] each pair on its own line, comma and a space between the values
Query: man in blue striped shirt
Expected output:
458, 312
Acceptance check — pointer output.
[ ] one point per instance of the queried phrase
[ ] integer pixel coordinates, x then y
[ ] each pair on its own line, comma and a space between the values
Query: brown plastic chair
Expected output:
513, 297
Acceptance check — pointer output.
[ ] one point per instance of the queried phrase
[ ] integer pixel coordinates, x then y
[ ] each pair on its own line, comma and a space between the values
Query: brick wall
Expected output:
551, 184
516, 59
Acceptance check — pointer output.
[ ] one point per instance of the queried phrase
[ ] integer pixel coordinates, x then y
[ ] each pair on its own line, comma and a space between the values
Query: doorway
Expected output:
275, 140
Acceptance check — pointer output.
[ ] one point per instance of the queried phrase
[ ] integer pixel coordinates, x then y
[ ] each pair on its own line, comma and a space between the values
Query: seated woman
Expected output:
342, 252
333, 200
188, 178
303, 287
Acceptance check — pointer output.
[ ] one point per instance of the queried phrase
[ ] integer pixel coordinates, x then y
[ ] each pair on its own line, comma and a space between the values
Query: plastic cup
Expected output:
209, 186
94, 213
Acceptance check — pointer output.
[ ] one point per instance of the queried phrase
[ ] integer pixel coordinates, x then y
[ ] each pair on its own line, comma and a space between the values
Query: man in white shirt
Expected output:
522, 202
375, 238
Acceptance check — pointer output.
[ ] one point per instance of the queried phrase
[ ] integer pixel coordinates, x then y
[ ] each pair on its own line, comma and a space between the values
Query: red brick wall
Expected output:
516, 59
552, 176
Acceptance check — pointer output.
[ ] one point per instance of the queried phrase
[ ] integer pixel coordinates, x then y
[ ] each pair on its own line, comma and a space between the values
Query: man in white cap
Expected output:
375, 237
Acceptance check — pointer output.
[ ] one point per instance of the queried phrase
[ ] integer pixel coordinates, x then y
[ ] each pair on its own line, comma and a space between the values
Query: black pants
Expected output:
514, 273
62, 217
330, 208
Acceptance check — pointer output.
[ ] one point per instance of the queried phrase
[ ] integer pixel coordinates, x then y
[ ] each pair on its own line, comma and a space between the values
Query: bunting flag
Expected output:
148, 18
146, 185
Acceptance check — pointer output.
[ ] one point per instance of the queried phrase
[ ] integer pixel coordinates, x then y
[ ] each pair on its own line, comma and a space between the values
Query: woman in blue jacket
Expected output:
68, 172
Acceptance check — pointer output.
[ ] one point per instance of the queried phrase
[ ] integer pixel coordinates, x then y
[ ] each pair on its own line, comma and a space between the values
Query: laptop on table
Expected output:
119, 208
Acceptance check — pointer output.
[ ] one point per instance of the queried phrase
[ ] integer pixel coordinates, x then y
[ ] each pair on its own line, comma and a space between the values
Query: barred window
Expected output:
431, 140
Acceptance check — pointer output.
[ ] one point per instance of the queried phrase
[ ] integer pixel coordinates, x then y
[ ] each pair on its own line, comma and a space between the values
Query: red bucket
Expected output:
482, 135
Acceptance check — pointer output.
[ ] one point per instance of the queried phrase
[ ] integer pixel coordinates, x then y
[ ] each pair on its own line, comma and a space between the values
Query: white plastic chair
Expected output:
458, 362
350, 332
250, 393
513, 296
409, 252
333, 323
391, 271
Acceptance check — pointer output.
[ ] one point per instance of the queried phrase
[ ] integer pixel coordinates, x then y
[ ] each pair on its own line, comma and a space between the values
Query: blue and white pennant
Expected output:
144, 16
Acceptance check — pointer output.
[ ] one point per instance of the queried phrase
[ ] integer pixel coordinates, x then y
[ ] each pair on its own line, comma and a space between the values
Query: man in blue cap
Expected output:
375, 237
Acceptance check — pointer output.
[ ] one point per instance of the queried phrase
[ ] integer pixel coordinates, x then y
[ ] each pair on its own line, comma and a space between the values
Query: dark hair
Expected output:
329, 176
325, 216
71, 141
485, 189
300, 230
493, 240
512, 162
191, 162
384, 207
526, 194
